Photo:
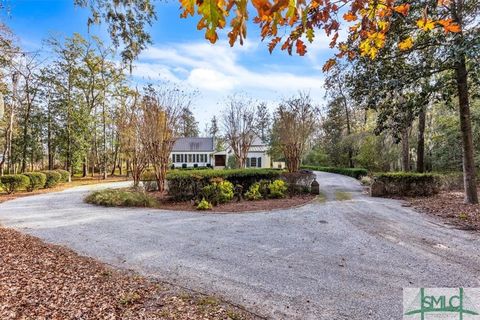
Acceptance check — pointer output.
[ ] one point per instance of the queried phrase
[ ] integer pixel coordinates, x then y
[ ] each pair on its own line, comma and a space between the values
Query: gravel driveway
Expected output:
326, 260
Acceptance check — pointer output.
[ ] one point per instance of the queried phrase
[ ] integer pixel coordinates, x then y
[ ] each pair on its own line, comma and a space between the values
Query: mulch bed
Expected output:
449, 205
238, 207
42, 281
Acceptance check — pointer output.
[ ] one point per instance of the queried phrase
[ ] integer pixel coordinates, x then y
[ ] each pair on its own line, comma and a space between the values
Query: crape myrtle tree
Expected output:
294, 123
160, 112
128, 123
239, 126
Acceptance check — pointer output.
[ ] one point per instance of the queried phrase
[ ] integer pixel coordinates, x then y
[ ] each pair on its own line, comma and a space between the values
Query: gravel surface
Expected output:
327, 260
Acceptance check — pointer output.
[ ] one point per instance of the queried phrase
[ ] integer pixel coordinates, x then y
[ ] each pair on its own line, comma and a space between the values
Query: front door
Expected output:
220, 160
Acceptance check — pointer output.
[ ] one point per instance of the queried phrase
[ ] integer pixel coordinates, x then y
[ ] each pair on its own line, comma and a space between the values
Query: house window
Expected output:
259, 162
190, 158
253, 162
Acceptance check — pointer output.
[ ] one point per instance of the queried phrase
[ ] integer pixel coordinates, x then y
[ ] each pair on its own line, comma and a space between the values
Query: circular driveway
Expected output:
326, 260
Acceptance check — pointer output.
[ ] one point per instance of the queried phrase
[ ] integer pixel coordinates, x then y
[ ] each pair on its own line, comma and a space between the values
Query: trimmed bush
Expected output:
218, 192
204, 205
405, 184
277, 189
37, 180
356, 173
53, 178
187, 184
253, 192
65, 175
121, 198
14, 182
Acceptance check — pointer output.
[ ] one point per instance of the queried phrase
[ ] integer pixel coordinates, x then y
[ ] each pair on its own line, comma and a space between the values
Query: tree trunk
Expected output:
349, 132
85, 166
49, 138
25, 137
405, 151
421, 142
115, 158
104, 158
471, 195
128, 168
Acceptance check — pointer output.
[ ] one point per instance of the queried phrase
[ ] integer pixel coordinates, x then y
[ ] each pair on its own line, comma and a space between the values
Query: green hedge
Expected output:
408, 177
65, 175
356, 173
405, 184
14, 182
37, 180
188, 184
53, 178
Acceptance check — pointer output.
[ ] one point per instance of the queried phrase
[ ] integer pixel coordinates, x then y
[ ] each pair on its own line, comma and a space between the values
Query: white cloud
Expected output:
218, 70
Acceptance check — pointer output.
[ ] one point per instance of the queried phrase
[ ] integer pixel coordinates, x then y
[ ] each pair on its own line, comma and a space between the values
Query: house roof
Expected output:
194, 144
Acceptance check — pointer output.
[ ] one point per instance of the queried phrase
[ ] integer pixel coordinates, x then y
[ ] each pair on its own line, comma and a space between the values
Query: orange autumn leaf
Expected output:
402, 9
301, 47
329, 64
449, 26
349, 17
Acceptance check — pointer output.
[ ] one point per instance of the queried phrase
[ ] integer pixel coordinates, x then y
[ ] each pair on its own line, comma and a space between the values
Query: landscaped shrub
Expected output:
37, 180
219, 191
14, 182
253, 192
121, 198
405, 184
53, 178
356, 173
277, 189
65, 175
264, 188
204, 205
187, 184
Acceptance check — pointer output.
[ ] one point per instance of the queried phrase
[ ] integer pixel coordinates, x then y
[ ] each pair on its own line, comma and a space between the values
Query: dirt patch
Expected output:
242, 206
449, 205
75, 183
41, 281
342, 196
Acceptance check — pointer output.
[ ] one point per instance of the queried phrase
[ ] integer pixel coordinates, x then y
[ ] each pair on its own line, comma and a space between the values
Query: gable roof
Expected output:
194, 144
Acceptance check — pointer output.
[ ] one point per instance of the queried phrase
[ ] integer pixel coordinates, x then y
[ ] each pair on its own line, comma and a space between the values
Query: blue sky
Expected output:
180, 53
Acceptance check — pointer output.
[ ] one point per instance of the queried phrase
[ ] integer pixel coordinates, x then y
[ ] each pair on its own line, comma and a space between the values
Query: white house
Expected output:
258, 156
200, 152
193, 152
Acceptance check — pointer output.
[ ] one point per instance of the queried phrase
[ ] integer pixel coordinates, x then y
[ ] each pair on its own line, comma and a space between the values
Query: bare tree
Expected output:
294, 125
160, 112
238, 122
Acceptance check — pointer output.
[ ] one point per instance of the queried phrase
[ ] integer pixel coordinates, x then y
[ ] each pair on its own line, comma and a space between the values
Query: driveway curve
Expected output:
326, 260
